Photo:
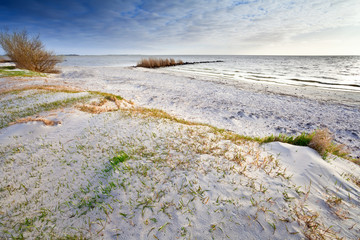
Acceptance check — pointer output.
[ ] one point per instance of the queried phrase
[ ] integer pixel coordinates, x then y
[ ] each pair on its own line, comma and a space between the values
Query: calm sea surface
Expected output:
339, 72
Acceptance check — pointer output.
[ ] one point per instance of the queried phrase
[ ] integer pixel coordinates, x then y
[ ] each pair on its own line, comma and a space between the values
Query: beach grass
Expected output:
303, 139
139, 169
321, 140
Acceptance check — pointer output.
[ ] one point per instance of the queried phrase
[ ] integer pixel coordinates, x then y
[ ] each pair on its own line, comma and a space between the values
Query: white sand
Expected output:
179, 181
249, 109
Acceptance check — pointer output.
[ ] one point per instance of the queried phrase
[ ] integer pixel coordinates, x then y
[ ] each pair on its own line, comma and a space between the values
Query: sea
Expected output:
329, 72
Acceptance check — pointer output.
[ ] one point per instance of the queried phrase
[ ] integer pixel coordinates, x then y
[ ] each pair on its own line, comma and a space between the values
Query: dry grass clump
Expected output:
47, 122
97, 107
107, 104
28, 52
322, 142
158, 62
334, 202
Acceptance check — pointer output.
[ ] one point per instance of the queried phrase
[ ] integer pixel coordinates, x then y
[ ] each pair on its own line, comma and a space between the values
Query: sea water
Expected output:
335, 72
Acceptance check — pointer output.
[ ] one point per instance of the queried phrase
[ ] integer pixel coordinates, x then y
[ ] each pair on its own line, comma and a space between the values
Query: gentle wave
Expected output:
337, 72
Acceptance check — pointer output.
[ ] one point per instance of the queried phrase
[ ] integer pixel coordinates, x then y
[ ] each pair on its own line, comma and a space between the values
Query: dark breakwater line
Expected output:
189, 63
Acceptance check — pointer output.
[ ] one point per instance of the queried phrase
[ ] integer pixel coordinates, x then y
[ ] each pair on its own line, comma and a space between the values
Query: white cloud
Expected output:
199, 26
256, 25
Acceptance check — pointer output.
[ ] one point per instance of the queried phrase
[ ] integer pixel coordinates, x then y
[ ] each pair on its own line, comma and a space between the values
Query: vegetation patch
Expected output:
108, 96
302, 140
107, 103
320, 140
120, 158
158, 62
10, 71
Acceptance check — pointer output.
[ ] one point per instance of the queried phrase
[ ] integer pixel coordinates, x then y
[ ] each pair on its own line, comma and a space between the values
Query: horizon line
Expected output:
260, 55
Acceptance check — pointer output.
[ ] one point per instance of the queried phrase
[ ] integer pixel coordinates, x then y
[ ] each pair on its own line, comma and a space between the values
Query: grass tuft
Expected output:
322, 142
108, 96
120, 158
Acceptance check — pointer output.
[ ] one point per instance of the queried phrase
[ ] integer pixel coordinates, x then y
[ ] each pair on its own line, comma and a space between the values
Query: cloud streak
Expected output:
188, 27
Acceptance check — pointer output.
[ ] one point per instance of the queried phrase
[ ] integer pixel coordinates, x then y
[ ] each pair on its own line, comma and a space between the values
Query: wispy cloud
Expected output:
190, 26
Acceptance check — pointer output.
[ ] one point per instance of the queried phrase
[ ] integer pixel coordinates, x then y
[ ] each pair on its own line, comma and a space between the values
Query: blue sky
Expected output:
290, 27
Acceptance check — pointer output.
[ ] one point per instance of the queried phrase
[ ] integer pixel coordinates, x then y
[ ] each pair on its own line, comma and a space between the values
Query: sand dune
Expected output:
119, 173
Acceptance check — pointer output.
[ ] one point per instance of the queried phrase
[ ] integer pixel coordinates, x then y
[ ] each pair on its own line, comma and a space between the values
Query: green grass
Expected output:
7, 71
107, 96
122, 157
303, 139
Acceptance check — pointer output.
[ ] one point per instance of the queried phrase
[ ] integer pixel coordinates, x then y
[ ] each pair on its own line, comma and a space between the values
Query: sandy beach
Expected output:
253, 109
155, 164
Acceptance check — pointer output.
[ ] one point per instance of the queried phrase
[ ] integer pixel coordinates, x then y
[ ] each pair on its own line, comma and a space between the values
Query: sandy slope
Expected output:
171, 180
241, 108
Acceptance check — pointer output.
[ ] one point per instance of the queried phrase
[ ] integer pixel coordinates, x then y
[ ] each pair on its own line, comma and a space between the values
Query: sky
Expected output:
248, 27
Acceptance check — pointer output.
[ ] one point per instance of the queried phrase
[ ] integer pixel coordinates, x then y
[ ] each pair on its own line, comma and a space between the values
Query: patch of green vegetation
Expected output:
302, 140
7, 67
305, 139
73, 237
120, 158
107, 96
8, 71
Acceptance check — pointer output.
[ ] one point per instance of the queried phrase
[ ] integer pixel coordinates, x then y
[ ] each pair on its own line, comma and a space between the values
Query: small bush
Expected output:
158, 62
28, 52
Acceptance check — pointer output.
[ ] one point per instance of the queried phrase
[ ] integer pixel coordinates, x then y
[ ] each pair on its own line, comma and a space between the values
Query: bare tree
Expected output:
28, 52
